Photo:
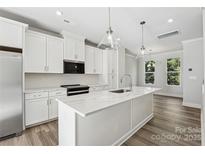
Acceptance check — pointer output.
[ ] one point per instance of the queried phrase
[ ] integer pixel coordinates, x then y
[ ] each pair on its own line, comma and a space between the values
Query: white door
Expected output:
11, 34
36, 111
53, 108
98, 61
54, 55
35, 53
69, 48
89, 60
80, 50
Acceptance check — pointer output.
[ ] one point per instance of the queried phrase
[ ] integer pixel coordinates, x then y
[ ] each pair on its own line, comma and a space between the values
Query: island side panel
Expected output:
104, 127
142, 109
66, 125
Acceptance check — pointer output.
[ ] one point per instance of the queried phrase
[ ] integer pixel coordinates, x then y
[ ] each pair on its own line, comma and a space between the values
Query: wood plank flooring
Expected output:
173, 124
43, 135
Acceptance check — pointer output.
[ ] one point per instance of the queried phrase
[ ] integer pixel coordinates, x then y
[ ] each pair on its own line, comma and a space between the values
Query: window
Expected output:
173, 71
149, 72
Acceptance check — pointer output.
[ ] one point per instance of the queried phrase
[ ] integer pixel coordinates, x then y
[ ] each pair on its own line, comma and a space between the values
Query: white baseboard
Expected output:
194, 105
167, 94
132, 131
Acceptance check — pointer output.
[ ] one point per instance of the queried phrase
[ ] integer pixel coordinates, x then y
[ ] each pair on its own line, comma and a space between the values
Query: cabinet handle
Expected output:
46, 68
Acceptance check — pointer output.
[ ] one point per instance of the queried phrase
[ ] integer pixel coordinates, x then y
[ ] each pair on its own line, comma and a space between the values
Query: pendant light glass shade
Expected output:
109, 41
143, 51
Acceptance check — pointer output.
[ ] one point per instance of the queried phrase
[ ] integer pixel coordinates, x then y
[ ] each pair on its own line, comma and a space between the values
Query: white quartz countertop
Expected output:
86, 104
34, 90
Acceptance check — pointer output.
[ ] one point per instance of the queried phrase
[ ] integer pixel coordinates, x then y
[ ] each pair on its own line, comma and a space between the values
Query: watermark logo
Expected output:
180, 134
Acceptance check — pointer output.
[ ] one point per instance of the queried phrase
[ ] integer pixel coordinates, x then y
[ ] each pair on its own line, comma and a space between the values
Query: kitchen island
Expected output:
104, 117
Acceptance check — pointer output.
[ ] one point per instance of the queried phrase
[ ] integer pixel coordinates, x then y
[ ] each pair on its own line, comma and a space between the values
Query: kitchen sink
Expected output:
120, 91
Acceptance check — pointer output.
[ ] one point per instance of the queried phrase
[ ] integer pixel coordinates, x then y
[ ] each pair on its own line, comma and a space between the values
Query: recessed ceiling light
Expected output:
170, 20
59, 13
118, 39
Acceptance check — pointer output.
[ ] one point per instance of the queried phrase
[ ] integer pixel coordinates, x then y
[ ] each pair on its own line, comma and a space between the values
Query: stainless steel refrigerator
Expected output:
11, 93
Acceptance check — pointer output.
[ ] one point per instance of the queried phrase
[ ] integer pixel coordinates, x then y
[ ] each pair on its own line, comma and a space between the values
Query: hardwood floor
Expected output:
173, 124
45, 134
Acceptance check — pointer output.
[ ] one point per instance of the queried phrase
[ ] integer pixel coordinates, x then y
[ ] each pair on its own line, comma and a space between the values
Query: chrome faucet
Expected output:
130, 78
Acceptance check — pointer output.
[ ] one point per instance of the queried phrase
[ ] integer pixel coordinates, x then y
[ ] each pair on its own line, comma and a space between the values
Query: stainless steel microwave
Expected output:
71, 67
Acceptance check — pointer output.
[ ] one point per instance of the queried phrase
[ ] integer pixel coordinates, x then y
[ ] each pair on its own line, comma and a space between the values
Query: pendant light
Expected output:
109, 41
142, 50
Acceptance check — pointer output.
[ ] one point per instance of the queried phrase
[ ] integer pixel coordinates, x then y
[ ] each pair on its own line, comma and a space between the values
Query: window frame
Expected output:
173, 72
152, 84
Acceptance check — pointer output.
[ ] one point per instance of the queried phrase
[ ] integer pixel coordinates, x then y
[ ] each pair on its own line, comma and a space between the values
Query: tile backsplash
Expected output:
37, 80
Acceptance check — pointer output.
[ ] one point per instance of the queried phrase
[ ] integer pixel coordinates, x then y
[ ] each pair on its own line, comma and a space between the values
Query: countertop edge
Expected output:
86, 114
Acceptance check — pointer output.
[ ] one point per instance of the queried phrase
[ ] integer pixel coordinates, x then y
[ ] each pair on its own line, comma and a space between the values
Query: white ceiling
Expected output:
92, 23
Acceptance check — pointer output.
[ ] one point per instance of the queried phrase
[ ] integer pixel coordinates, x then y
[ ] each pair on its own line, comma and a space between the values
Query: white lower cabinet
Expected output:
53, 108
36, 111
42, 107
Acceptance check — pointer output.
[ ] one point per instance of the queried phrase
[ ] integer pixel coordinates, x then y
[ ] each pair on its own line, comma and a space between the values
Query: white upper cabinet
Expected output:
80, 50
43, 53
35, 52
11, 33
89, 60
98, 60
54, 55
112, 61
93, 60
74, 47
69, 52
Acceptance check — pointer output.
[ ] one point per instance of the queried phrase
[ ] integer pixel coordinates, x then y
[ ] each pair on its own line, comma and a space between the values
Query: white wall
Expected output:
193, 58
55, 80
160, 72
131, 67
203, 97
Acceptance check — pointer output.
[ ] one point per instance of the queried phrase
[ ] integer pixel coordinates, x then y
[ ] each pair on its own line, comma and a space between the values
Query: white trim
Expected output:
129, 55
192, 40
72, 35
13, 21
168, 94
193, 105
132, 131
178, 50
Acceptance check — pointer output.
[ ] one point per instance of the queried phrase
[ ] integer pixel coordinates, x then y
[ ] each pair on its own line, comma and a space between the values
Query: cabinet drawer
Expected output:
57, 93
36, 95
